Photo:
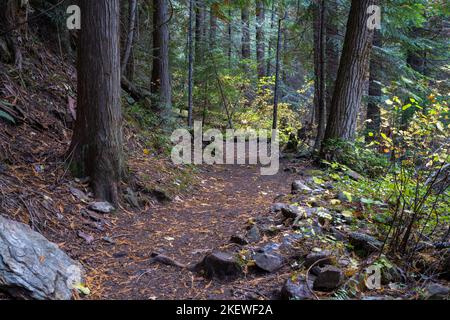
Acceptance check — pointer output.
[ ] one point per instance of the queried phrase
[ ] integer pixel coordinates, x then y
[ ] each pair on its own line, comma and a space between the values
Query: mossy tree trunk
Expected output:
96, 148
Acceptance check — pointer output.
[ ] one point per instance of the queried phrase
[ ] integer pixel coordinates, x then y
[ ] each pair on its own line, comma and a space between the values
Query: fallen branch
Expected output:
160, 258
255, 291
136, 93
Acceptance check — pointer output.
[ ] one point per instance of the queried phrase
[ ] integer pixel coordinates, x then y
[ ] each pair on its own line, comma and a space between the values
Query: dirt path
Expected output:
184, 230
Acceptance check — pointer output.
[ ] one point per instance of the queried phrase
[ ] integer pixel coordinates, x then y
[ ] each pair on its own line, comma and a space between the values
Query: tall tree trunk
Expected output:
191, 63
285, 58
212, 28
199, 29
416, 57
319, 70
416, 60
230, 39
260, 44
9, 19
245, 16
127, 58
272, 25
373, 108
352, 69
96, 146
332, 51
277, 76
160, 84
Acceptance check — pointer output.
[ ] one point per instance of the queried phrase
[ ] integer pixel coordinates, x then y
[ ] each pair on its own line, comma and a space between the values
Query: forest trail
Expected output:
185, 230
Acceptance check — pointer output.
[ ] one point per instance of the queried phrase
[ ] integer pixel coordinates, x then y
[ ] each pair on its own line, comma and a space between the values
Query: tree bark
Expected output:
416, 57
245, 16
373, 109
127, 63
9, 11
270, 49
332, 51
285, 58
96, 148
191, 64
212, 29
160, 83
351, 73
230, 39
277, 77
260, 45
199, 29
319, 70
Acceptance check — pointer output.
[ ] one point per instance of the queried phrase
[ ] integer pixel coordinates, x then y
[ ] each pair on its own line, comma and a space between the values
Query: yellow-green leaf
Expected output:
82, 289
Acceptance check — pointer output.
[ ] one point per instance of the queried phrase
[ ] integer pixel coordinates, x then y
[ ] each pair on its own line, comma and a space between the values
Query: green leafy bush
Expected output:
356, 156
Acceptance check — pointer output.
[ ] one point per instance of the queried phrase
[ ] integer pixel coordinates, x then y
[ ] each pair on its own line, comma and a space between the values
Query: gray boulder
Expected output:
254, 235
31, 267
276, 207
353, 174
290, 212
268, 261
80, 195
299, 187
102, 207
295, 290
392, 275
325, 259
329, 278
237, 239
221, 265
364, 244
436, 291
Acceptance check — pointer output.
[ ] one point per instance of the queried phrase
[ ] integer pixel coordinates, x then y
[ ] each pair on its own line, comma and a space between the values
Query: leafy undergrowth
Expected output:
347, 202
333, 205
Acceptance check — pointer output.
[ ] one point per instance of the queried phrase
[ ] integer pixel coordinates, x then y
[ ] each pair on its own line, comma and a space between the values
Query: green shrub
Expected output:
356, 156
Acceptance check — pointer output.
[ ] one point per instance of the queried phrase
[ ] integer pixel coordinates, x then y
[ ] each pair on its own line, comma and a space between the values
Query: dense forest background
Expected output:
358, 90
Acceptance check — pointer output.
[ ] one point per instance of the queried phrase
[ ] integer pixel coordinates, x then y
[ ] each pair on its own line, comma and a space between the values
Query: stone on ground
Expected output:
276, 207
328, 279
236, 239
364, 244
254, 235
102, 207
325, 258
353, 174
435, 291
221, 265
290, 212
31, 267
299, 187
77, 193
295, 290
268, 261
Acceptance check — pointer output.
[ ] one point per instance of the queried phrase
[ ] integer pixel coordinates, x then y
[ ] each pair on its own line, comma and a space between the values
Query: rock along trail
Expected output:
184, 230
